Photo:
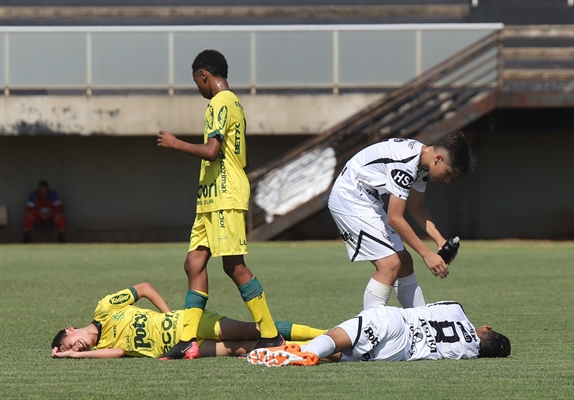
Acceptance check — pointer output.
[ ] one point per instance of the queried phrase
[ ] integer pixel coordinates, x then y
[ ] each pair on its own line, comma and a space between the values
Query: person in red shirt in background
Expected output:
44, 207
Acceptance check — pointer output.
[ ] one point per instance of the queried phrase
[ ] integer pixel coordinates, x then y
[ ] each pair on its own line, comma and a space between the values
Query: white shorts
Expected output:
378, 333
367, 237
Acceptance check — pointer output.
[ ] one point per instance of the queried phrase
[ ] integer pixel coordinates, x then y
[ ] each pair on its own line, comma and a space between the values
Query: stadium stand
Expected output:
250, 12
528, 65
221, 12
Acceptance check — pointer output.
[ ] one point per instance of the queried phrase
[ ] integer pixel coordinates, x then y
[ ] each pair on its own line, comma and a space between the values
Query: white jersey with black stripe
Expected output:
387, 167
431, 332
440, 331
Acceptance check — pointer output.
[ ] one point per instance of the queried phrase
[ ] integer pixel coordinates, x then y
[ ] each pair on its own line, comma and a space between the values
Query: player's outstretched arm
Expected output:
397, 221
147, 291
417, 209
207, 151
101, 353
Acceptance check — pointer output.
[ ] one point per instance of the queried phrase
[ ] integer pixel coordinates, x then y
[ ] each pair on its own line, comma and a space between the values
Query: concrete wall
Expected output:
114, 188
523, 186
119, 188
181, 114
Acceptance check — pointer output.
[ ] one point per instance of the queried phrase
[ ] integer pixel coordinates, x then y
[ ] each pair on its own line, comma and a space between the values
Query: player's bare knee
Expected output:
235, 266
188, 266
388, 265
406, 267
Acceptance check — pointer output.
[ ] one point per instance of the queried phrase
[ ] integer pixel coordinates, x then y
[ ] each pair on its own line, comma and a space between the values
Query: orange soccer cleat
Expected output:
281, 357
258, 355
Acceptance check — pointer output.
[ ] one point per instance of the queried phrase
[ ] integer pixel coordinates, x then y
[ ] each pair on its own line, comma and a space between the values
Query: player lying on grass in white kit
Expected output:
120, 329
382, 333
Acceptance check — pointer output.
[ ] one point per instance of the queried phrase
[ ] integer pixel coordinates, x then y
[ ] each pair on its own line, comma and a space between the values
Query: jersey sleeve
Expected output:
400, 181
31, 204
55, 198
115, 302
31, 199
218, 117
420, 183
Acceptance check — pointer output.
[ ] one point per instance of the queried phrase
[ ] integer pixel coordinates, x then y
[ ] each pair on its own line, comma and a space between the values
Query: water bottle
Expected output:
449, 249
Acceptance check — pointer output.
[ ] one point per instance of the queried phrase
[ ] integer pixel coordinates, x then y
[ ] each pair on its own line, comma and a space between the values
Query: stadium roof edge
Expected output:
262, 28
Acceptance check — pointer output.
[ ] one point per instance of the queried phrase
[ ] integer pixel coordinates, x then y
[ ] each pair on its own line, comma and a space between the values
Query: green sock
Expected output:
284, 329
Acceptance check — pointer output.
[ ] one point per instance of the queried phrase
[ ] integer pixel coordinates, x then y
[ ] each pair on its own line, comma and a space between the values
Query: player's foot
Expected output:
257, 356
270, 342
186, 350
280, 358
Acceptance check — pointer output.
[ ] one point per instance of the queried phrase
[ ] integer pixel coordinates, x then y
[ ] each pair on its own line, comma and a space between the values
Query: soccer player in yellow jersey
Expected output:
222, 201
119, 328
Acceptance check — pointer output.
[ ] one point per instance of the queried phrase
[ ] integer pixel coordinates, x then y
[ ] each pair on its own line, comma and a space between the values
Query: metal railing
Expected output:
327, 57
463, 85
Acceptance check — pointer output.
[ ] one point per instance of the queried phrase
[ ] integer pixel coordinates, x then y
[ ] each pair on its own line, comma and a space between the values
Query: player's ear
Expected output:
488, 328
69, 329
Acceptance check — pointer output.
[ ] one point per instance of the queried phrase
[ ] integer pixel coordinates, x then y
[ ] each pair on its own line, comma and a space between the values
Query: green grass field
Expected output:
523, 289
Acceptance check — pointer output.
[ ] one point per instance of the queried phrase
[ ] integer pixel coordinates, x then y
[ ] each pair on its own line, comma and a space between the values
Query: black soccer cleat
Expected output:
183, 350
270, 342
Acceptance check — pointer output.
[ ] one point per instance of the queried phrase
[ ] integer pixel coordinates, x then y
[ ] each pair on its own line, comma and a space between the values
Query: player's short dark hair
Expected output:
44, 182
212, 61
494, 345
461, 159
59, 338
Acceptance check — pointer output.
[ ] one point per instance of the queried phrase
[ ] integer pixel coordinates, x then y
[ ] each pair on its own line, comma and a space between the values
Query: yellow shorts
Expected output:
208, 326
223, 232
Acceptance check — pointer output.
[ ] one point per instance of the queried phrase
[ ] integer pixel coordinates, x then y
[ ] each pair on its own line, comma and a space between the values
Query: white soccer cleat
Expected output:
257, 356
279, 358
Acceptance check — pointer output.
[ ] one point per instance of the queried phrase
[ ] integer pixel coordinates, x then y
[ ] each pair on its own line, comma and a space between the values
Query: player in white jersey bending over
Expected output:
382, 333
399, 168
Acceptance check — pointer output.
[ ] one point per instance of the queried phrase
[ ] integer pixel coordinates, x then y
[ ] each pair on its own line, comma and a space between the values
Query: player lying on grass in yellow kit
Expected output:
122, 329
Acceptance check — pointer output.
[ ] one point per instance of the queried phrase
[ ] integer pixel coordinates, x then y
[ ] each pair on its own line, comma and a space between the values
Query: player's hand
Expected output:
62, 354
436, 264
454, 255
166, 139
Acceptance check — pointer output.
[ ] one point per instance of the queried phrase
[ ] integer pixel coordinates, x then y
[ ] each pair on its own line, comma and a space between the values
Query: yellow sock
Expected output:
254, 298
191, 318
299, 342
304, 332
257, 306
194, 305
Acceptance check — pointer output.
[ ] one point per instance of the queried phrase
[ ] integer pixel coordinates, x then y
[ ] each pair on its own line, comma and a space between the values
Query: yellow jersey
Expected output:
223, 183
140, 332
